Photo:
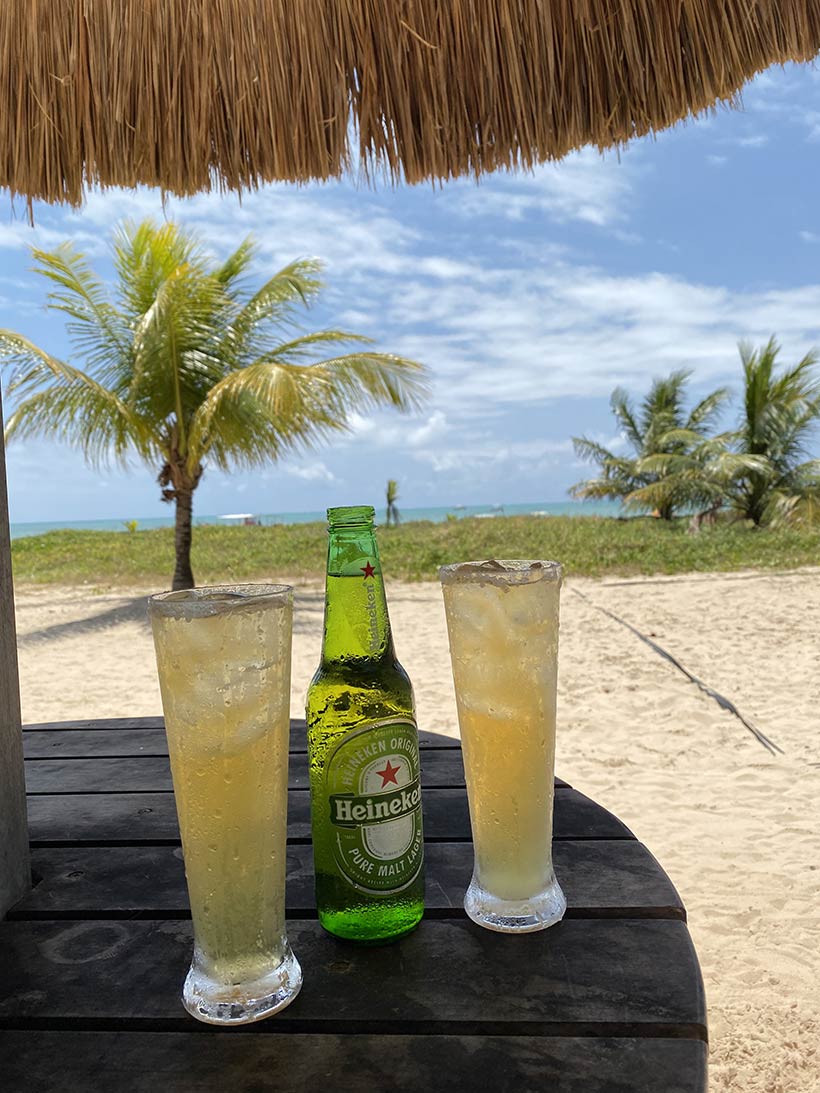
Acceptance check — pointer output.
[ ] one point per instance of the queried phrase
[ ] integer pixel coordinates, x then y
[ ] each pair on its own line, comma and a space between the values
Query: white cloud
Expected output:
467, 459
355, 238
717, 161
360, 425
755, 140
496, 333
447, 269
431, 430
535, 335
809, 237
19, 235
586, 186
789, 97
315, 471
352, 237
387, 431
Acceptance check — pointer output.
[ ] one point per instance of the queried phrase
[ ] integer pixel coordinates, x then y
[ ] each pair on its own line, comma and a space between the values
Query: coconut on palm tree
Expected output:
659, 432
779, 417
186, 366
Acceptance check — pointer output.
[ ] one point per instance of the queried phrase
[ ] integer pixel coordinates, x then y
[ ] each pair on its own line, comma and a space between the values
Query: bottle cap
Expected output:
350, 515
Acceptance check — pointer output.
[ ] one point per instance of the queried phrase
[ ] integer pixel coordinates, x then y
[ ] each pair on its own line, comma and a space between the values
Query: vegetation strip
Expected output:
722, 701
589, 546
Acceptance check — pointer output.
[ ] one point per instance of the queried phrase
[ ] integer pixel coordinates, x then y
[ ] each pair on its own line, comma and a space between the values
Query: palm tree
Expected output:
658, 432
779, 416
699, 472
392, 496
187, 366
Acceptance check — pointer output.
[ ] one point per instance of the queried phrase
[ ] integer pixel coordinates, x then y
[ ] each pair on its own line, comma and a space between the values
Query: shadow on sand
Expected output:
308, 607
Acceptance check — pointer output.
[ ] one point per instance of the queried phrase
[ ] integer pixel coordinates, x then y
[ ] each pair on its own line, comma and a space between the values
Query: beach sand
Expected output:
736, 828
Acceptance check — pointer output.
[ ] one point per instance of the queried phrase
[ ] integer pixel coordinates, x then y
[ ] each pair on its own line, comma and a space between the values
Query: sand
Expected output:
736, 828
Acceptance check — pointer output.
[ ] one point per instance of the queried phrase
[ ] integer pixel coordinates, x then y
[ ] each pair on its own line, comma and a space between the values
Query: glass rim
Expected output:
501, 571
218, 599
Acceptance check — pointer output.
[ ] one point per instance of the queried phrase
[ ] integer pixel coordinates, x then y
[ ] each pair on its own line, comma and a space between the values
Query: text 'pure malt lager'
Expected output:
363, 751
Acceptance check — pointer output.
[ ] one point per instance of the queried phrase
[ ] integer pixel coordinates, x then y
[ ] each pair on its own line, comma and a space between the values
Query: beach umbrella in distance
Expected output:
190, 95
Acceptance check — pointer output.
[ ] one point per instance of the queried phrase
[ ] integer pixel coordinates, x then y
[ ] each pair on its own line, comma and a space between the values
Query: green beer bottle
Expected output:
363, 751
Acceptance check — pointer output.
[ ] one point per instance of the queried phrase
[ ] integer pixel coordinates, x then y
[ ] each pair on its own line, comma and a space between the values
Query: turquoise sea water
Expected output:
437, 515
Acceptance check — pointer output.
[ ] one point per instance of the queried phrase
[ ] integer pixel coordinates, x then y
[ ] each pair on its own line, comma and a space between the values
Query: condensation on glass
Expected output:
502, 621
223, 658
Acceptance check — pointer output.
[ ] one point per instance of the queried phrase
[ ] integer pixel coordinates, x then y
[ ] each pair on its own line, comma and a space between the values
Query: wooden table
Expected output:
92, 960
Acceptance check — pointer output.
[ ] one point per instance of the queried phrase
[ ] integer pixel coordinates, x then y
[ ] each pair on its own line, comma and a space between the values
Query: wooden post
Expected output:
15, 874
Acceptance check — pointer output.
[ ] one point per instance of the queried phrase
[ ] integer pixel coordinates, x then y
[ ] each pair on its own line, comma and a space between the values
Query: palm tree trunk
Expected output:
756, 506
183, 574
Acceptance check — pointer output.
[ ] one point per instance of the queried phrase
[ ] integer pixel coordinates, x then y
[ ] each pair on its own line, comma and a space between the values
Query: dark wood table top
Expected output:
92, 960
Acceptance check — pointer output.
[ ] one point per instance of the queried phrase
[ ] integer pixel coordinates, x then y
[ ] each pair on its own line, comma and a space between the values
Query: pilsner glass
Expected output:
502, 620
223, 657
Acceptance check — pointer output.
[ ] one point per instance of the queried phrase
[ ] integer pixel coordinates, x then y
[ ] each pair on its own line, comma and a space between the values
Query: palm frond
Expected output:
798, 503
75, 408
302, 348
229, 273
303, 404
597, 489
780, 414
657, 465
674, 493
662, 408
704, 414
145, 255
592, 451
251, 328
366, 381
625, 416
95, 329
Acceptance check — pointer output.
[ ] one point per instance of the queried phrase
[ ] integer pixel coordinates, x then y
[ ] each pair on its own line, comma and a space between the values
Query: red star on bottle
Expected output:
389, 774
368, 570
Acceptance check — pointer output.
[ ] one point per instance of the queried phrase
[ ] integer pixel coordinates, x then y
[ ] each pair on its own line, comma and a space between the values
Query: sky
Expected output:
529, 297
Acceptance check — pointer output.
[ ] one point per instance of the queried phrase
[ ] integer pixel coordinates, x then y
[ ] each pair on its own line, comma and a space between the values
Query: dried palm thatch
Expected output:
194, 94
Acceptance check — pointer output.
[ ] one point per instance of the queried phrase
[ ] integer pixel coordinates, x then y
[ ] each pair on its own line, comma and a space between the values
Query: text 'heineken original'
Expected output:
363, 751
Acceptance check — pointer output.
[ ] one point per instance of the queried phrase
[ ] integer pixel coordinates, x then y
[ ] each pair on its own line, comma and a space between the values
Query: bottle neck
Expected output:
357, 625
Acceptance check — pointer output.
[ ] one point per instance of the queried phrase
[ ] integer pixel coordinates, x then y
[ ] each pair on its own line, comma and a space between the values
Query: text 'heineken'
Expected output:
363, 751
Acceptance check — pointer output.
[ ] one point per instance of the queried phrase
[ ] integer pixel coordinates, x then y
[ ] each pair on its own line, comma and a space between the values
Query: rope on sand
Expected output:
721, 700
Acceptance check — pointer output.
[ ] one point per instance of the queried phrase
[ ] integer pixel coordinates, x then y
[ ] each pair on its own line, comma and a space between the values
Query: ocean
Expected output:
437, 515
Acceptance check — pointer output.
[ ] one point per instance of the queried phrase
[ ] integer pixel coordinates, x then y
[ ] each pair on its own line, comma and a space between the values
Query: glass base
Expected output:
508, 916
218, 1003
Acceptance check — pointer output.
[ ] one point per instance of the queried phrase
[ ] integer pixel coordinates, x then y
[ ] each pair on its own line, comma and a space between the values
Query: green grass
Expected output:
589, 546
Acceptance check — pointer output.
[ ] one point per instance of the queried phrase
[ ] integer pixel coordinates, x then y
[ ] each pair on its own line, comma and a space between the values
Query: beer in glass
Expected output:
502, 621
223, 657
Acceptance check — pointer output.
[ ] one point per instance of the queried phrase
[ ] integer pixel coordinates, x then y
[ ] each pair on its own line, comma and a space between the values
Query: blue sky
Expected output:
529, 296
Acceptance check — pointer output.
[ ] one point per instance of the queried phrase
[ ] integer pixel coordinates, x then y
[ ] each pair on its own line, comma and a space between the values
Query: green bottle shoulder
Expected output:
354, 692
363, 674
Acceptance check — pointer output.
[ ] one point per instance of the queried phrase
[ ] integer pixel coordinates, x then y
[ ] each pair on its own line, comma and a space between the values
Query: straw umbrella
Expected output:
192, 95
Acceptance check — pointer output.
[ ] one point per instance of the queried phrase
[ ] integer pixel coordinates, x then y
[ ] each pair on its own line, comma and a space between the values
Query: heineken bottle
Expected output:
363, 751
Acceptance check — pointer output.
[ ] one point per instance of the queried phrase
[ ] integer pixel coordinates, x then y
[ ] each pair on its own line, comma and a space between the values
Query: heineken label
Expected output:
374, 796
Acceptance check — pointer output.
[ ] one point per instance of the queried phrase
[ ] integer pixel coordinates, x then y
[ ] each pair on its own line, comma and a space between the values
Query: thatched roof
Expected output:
194, 94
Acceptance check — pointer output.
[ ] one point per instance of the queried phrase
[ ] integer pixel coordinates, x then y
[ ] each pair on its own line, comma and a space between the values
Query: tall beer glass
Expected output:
502, 620
223, 656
